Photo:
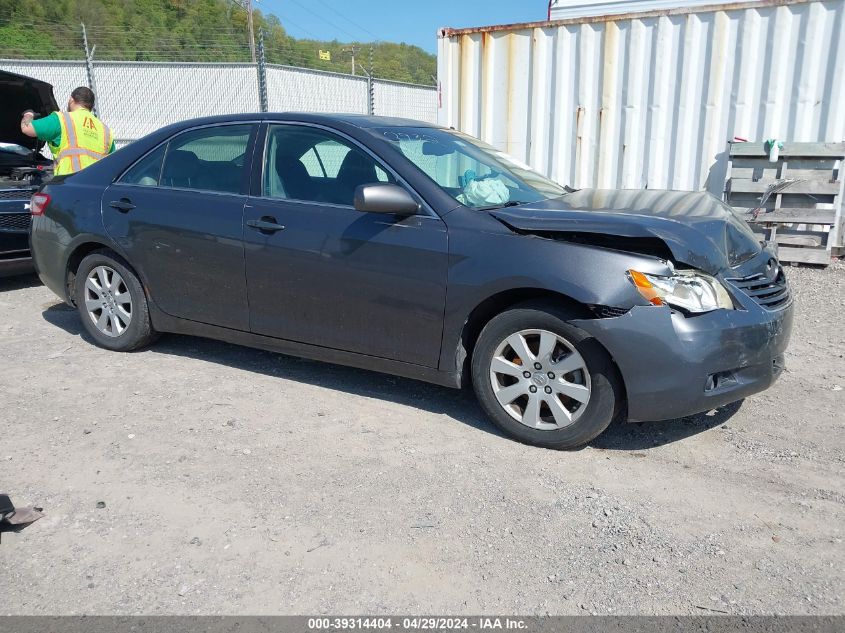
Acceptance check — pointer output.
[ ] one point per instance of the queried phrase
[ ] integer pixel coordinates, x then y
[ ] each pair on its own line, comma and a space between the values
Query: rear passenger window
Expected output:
147, 170
208, 159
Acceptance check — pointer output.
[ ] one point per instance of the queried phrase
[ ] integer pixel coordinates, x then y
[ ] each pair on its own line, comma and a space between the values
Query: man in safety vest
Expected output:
76, 138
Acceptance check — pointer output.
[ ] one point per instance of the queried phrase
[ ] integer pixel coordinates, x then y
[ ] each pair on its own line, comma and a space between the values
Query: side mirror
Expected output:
385, 198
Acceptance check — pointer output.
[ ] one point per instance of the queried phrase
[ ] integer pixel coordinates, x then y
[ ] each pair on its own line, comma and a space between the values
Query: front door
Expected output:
178, 215
320, 272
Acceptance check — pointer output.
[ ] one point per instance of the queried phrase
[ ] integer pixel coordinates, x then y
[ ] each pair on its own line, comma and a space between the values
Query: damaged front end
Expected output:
711, 313
698, 239
693, 230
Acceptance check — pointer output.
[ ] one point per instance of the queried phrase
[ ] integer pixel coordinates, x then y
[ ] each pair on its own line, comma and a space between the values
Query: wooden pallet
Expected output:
804, 217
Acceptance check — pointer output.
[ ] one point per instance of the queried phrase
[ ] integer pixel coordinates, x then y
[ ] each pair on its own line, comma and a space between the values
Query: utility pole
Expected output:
351, 50
251, 29
246, 5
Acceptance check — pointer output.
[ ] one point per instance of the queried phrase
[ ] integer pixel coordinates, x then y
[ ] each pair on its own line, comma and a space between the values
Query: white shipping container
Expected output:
563, 9
648, 99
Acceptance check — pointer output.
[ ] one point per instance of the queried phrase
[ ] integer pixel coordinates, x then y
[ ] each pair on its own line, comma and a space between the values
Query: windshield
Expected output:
14, 148
474, 173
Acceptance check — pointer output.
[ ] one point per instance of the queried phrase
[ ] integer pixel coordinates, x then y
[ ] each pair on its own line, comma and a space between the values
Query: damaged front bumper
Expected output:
675, 365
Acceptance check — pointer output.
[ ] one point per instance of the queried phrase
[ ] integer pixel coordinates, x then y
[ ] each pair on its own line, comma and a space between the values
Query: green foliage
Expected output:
186, 30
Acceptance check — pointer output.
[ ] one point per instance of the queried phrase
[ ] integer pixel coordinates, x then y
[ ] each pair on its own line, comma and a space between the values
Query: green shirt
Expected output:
49, 129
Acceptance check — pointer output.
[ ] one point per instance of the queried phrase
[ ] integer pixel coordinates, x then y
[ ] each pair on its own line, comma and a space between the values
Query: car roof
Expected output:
356, 120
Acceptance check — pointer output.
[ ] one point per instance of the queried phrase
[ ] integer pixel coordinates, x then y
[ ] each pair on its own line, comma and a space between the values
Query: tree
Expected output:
183, 30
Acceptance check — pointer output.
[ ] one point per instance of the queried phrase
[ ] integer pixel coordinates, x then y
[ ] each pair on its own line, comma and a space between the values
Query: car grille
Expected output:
15, 194
15, 221
769, 289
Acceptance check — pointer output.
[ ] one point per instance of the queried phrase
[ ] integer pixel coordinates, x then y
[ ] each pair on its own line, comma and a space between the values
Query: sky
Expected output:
410, 21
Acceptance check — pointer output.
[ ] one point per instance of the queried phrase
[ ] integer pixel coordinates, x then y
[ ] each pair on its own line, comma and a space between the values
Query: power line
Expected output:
282, 56
301, 28
317, 15
352, 22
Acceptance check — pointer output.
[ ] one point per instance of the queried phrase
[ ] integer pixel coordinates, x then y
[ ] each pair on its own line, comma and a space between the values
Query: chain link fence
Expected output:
136, 98
302, 90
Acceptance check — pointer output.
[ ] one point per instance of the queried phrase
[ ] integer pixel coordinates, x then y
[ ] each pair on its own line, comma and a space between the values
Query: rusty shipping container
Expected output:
648, 99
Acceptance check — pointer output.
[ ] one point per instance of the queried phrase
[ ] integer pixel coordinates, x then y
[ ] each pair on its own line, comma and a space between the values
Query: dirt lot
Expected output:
237, 481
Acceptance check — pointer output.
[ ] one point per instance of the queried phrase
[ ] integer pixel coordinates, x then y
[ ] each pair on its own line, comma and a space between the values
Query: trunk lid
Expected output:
21, 93
699, 230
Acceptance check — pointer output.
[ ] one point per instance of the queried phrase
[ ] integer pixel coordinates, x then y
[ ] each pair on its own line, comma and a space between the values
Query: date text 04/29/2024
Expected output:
415, 623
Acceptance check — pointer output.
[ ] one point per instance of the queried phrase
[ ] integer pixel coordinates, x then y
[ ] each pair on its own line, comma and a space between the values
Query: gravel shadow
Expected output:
632, 436
19, 282
457, 404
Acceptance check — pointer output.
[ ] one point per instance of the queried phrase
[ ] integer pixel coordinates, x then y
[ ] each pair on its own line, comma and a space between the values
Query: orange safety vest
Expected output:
85, 140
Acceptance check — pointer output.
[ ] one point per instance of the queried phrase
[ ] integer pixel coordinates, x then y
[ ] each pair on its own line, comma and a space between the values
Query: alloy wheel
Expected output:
107, 301
540, 379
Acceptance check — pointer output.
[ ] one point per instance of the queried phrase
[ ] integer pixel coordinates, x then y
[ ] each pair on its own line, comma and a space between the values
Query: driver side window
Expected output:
312, 165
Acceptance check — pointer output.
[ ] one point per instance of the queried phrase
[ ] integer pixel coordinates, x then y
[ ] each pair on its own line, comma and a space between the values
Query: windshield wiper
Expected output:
509, 203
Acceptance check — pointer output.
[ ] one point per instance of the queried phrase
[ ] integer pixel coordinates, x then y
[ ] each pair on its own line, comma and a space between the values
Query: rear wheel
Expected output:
542, 380
112, 303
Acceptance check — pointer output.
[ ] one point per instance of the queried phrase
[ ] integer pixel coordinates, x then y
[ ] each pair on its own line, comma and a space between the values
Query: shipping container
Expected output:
652, 99
564, 9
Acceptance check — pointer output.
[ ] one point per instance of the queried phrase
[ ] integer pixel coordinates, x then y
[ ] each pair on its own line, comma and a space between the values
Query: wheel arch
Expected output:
497, 303
80, 252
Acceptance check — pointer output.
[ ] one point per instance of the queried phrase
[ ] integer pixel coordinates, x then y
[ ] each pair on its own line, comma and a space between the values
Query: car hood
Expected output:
22, 93
698, 229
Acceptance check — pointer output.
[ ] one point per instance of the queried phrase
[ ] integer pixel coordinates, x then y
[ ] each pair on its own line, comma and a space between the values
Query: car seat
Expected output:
294, 177
180, 169
356, 169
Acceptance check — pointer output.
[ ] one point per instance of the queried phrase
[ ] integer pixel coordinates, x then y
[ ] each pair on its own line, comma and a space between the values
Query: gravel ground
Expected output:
236, 481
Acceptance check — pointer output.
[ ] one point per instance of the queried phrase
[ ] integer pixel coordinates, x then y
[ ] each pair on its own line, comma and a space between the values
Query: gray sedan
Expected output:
419, 251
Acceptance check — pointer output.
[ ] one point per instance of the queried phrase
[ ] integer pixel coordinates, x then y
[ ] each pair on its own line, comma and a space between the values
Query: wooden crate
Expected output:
804, 216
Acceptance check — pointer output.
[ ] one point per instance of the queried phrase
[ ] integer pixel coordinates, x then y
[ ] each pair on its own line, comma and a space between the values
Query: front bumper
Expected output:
675, 365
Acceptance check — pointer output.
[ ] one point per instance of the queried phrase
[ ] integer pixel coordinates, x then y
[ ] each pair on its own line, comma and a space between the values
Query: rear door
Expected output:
320, 272
178, 215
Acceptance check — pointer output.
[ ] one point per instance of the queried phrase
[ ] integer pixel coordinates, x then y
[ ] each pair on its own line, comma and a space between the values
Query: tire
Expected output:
112, 303
577, 377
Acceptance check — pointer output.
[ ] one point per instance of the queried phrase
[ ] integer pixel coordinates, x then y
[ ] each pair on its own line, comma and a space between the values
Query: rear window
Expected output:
146, 171
207, 159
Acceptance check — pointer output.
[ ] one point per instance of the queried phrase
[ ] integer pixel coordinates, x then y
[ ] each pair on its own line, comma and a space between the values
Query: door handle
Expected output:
266, 225
123, 205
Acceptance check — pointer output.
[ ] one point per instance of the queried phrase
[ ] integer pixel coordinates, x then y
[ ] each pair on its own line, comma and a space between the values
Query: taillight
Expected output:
38, 203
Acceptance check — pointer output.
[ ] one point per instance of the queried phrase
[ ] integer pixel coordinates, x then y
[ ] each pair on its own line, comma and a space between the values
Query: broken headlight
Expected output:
688, 290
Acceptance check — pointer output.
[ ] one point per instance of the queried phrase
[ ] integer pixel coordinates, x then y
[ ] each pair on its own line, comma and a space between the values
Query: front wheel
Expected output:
542, 380
112, 303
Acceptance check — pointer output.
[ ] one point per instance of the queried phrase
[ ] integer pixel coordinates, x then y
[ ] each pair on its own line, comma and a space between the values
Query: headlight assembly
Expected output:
688, 290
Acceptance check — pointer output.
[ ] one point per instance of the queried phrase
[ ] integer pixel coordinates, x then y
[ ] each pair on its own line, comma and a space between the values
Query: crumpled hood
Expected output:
699, 230
20, 93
